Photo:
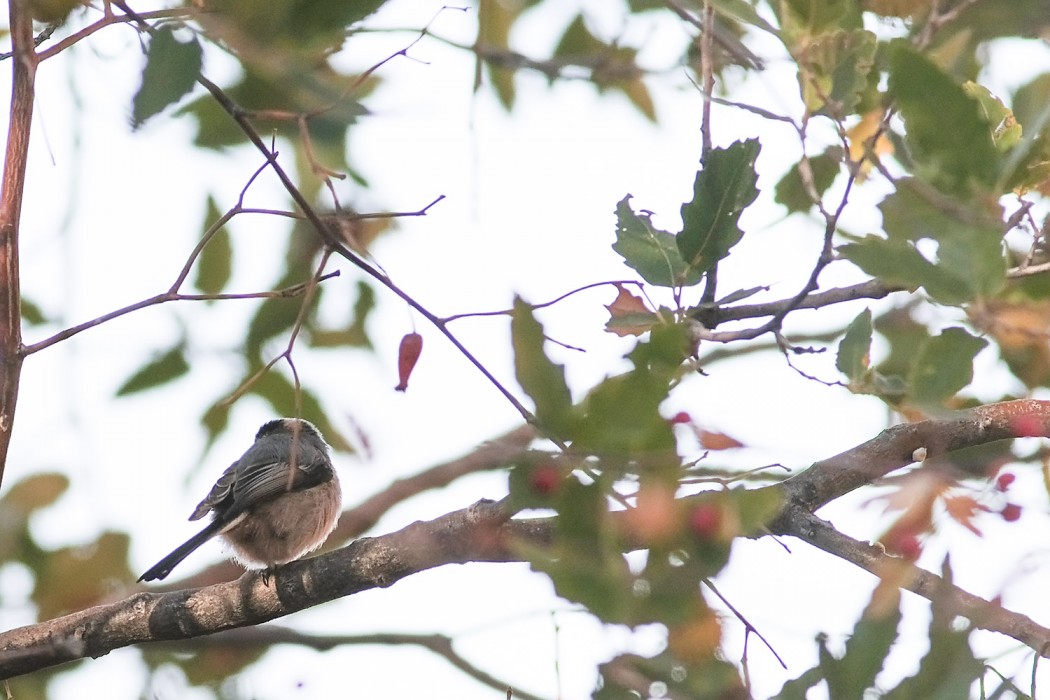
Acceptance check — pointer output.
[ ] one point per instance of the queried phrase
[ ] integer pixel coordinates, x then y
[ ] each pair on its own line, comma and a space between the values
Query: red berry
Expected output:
706, 520
905, 546
1011, 512
545, 480
1004, 480
681, 418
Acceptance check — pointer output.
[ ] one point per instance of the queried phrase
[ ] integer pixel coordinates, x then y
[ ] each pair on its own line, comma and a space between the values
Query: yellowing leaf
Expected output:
628, 314
963, 509
695, 642
860, 136
717, 441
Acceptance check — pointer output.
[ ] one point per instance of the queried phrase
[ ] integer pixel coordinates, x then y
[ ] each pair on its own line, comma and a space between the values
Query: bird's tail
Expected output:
163, 567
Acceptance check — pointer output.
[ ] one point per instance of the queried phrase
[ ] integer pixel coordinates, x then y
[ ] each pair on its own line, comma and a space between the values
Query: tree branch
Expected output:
905, 444
480, 533
358, 520
873, 558
20, 121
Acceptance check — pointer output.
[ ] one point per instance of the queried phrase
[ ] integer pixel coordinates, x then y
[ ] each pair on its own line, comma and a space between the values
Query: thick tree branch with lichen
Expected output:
483, 533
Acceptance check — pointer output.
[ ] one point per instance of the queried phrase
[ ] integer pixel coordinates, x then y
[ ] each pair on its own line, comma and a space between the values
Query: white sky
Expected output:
110, 216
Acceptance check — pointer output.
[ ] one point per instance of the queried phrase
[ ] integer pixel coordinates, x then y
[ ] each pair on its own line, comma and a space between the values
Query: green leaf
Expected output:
94, 566
898, 262
274, 316
171, 71
803, 20
161, 370
948, 671
798, 687
622, 419
215, 263
495, 19
834, 69
215, 419
970, 261
577, 41
756, 507
32, 314
723, 188
293, 31
867, 647
34, 492
1028, 164
289, 400
585, 565
321, 17
1006, 132
791, 190
650, 252
541, 379
355, 333
944, 366
741, 11
854, 355
969, 242
947, 134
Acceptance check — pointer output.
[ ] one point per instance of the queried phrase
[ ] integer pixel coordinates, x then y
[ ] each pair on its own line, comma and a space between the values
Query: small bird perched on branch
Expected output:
279, 501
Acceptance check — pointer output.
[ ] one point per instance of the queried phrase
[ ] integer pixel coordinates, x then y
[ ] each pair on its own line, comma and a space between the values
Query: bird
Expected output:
275, 504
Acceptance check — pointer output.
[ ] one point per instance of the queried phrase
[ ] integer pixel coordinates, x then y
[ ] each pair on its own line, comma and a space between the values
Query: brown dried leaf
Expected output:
628, 314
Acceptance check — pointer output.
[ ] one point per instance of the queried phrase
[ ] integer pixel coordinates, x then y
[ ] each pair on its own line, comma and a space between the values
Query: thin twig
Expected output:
552, 302
747, 624
292, 291
270, 635
329, 237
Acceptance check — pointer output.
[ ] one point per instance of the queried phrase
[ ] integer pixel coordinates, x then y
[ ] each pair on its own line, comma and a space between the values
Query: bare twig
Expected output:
744, 621
269, 635
292, 291
541, 305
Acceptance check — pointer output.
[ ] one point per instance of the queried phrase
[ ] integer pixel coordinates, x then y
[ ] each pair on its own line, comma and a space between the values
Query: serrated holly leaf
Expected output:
723, 188
947, 134
854, 354
650, 252
165, 368
171, 70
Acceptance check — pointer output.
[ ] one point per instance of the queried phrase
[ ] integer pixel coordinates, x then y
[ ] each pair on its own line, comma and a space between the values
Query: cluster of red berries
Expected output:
1011, 512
